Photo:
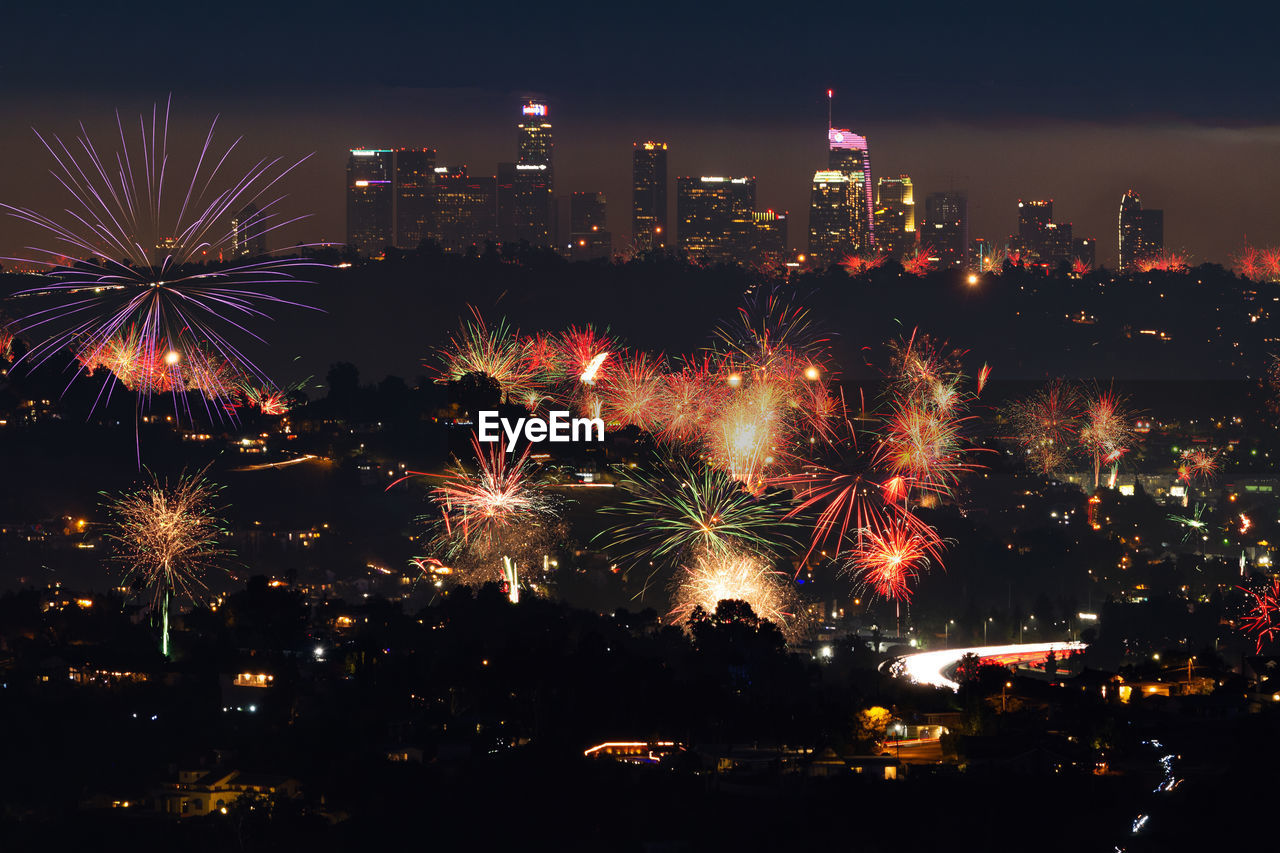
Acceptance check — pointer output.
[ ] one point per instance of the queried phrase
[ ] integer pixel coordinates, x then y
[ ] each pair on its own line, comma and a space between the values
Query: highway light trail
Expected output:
936, 667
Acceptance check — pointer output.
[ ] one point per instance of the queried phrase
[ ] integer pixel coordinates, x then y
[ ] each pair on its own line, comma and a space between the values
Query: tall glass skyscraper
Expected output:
533, 189
415, 180
370, 201
649, 196
1141, 231
848, 153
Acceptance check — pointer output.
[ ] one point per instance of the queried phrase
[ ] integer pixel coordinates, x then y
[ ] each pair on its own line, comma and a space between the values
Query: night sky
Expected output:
1076, 102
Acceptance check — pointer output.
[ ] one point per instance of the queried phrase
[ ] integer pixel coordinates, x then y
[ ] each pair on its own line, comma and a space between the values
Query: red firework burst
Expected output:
860, 264
1262, 621
1171, 262
632, 391
1201, 464
1080, 266
919, 263
888, 560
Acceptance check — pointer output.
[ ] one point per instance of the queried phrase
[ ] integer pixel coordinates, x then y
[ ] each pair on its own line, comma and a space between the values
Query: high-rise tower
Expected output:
1141, 231
415, 180
533, 188
649, 196
369, 200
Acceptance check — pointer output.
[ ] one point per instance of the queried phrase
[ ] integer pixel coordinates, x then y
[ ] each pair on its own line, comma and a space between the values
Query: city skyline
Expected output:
1001, 168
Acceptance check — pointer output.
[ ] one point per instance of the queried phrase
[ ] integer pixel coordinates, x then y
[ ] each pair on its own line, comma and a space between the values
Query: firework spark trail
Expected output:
1046, 425
154, 295
1080, 266
735, 575
167, 538
1262, 621
1191, 523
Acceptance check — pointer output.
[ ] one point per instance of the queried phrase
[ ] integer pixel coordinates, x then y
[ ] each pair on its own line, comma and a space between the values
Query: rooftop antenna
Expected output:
830, 94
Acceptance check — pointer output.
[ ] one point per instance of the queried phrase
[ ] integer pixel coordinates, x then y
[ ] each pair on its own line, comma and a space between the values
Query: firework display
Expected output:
733, 575
683, 507
1198, 466
1106, 430
1262, 621
154, 294
888, 560
1171, 262
753, 445
166, 537
859, 264
1047, 425
1259, 264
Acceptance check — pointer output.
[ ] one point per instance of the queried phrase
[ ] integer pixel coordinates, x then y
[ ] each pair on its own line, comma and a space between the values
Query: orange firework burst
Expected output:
750, 434
860, 264
889, 559
923, 446
993, 262
485, 503
1045, 425
497, 352
1198, 464
1171, 262
737, 576
983, 375
1262, 621
632, 391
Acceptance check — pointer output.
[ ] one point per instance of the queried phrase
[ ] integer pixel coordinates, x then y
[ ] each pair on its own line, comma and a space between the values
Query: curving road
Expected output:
936, 667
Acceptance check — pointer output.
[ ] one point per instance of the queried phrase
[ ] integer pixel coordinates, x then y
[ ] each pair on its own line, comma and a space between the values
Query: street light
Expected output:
1007, 685
984, 630
946, 632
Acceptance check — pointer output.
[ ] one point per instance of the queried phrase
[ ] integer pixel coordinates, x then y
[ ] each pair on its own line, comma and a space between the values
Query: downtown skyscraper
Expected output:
649, 196
529, 216
848, 153
414, 201
370, 200
895, 218
1141, 232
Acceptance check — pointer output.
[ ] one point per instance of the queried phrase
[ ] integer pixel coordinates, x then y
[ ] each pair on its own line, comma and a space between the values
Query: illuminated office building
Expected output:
1141, 231
533, 180
465, 210
847, 152
414, 182
836, 228
649, 196
895, 219
370, 201
715, 214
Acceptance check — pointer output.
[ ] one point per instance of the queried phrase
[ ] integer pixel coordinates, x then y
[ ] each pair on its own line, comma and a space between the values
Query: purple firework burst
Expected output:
151, 285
